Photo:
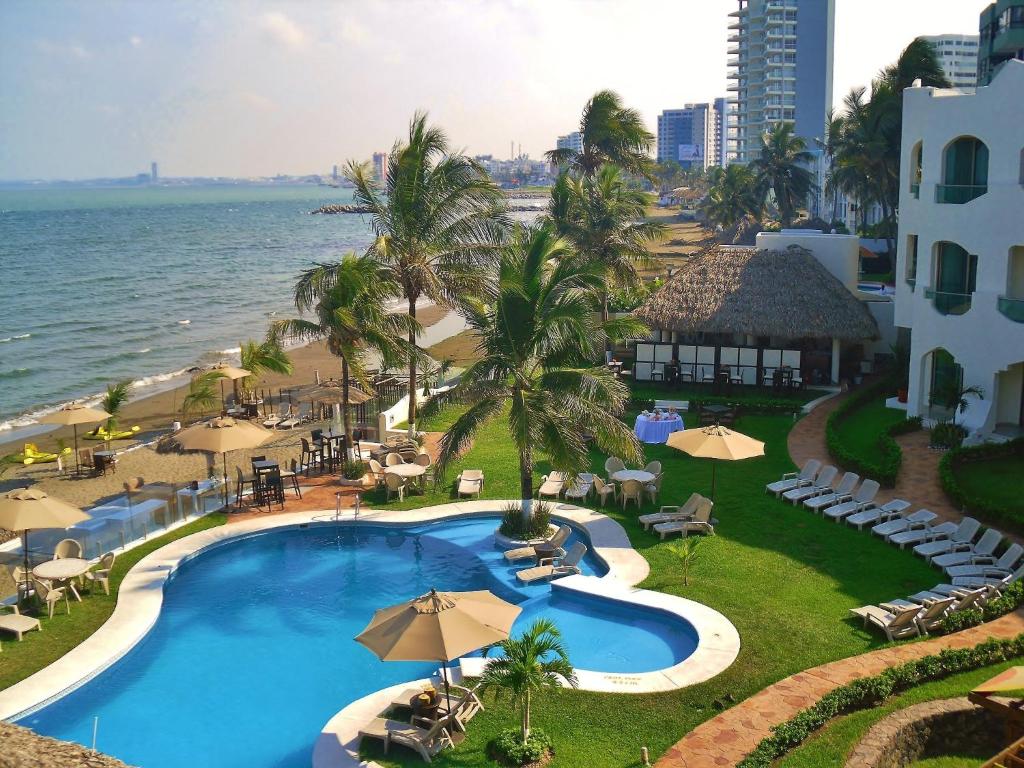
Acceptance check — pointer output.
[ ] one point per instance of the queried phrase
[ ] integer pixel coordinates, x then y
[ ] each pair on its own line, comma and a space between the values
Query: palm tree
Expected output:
259, 357
537, 334
535, 660
918, 61
732, 198
114, 400
609, 133
783, 168
953, 396
348, 301
437, 220
202, 392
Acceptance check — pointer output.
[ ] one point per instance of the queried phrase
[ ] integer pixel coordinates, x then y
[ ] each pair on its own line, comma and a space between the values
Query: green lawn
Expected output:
995, 481
835, 741
784, 577
860, 430
63, 632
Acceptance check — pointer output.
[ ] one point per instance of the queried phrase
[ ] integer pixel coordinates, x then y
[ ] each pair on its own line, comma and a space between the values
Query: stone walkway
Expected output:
726, 739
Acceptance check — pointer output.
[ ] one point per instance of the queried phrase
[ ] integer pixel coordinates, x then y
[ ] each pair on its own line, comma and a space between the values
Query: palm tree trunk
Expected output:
412, 369
526, 717
604, 320
346, 416
526, 481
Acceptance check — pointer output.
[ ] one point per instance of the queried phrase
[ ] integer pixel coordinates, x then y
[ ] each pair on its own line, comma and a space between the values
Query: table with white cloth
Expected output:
650, 430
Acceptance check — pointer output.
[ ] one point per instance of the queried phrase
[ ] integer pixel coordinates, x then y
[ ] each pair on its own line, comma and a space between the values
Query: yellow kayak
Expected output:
100, 433
32, 455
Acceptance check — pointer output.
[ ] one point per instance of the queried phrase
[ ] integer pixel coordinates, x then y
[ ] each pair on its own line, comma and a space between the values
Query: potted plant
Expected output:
352, 474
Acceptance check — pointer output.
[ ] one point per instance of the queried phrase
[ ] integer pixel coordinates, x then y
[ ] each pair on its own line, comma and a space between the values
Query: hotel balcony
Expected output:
958, 194
1012, 308
947, 303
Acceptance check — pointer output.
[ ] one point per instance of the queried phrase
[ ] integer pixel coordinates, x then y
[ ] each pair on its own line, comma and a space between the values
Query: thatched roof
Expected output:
23, 748
761, 293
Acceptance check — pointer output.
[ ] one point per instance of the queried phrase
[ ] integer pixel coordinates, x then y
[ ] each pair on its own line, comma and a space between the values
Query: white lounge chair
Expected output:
928, 533
792, 480
289, 419
896, 625
556, 567
581, 488
551, 485
985, 548
670, 514
822, 484
426, 737
996, 580
863, 499
273, 419
987, 565
960, 539
700, 523
16, 623
552, 544
939, 591
917, 519
471, 482
875, 515
933, 610
843, 492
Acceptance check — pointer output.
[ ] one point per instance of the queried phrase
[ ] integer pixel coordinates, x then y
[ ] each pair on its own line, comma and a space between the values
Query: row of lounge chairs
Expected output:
551, 561
693, 517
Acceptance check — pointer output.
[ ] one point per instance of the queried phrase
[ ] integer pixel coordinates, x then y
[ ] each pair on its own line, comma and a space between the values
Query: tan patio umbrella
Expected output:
439, 626
716, 442
222, 435
233, 374
73, 415
23, 509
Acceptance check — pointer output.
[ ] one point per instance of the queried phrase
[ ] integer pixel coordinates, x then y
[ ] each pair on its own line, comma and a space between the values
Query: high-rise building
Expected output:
571, 141
380, 165
687, 136
153, 172
334, 173
958, 55
721, 141
1001, 29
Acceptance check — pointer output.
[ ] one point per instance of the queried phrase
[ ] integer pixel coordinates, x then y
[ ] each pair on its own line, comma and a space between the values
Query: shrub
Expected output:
947, 435
353, 470
513, 525
978, 506
1010, 600
508, 747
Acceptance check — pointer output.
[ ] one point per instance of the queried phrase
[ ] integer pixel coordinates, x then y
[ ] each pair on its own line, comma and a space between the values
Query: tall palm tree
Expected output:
537, 333
783, 168
348, 303
436, 220
732, 197
535, 660
259, 357
202, 392
918, 61
609, 133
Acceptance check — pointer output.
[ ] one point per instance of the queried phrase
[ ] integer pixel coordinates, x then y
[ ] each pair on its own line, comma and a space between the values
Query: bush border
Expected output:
957, 458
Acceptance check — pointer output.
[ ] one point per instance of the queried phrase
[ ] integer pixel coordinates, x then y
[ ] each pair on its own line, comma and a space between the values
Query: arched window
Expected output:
965, 171
915, 169
956, 273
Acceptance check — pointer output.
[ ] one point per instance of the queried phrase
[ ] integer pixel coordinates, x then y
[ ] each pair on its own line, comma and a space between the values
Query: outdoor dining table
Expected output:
264, 466
413, 472
641, 475
650, 430
62, 570
204, 489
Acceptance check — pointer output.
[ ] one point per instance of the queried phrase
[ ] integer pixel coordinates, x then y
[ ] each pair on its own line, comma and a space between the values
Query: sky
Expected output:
249, 88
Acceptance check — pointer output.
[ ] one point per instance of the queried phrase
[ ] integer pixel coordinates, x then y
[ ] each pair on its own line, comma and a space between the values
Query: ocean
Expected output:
102, 285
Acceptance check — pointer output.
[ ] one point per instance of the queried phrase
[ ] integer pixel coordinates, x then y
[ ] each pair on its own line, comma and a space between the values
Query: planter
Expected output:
352, 483
901, 394
508, 543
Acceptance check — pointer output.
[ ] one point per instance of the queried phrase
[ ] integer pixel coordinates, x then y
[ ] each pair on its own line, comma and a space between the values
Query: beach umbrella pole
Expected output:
78, 459
714, 466
25, 543
225, 457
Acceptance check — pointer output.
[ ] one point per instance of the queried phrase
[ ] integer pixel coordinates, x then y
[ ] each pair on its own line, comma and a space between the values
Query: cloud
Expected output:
136, 41
353, 32
282, 29
66, 50
257, 101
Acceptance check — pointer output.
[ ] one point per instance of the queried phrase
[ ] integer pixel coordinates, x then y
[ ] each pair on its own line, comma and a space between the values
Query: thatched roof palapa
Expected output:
787, 294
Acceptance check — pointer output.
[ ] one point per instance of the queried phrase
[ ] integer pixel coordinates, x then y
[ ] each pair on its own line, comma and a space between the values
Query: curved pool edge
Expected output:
140, 596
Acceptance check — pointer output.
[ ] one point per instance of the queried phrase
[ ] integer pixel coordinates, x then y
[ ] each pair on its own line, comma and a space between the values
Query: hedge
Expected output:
765, 405
890, 457
869, 692
1010, 600
956, 458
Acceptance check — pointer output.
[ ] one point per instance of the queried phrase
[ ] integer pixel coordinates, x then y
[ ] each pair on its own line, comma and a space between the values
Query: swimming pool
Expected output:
253, 648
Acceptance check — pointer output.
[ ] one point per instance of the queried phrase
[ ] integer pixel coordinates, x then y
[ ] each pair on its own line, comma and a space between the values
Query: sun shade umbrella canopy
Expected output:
73, 415
1011, 679
233, 374
439, 626
27, 508
716, 442
222, 435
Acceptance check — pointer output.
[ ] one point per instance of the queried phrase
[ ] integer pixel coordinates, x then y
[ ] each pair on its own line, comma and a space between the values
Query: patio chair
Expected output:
653, 488
843, 492
23, 579
863, 499
423, 736
471, 482
551, 485
50, 595
917, 519
670, 514
393, 459
291, 477
548, 546
613, 464
376, 472
101, 575
876, 515
962, 539
921, 535
654, 467
423, 459
700, 523
242, 480
16, 622
555, 567
604, 490
631, 490
822, 484
67, 548
982, 565
581, 488
895, 625
395, 486
792, 480
985, 548
311, 457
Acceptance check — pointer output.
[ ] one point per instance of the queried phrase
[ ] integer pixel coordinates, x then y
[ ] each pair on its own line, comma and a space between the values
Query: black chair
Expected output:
316, 435
269, 488
311, 457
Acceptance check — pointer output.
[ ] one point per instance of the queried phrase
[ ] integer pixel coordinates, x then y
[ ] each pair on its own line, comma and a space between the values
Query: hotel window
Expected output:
956, 274
946, 374
911, 268
965, 176
915, 169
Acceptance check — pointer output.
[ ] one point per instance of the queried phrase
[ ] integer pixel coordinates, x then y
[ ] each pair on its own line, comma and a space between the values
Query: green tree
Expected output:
537, 333
530, 663
686, 551
952, 395
115, 399
783, 169
348, 304
202, 394
437, 220
732, 198
259, 357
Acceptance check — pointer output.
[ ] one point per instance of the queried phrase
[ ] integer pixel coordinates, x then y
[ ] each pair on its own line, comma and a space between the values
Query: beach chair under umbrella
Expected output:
73, 415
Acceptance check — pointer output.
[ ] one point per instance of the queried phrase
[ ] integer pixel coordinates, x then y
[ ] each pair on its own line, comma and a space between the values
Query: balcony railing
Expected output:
1012, 308
947, 303
915, 190
958, 194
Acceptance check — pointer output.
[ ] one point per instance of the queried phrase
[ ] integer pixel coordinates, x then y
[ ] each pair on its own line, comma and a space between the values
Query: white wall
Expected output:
838, 253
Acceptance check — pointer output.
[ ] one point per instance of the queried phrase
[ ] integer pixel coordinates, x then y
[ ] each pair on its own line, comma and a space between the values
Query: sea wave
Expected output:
16, 373
19, 337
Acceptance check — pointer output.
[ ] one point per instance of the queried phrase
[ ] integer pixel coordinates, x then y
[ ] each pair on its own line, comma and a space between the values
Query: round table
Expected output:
633, 474
64, 569
649, 430
406, 470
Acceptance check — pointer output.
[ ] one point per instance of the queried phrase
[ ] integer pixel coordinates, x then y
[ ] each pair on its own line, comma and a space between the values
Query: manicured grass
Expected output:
64, 631
861, 430
995, 482
833, 743
784, 577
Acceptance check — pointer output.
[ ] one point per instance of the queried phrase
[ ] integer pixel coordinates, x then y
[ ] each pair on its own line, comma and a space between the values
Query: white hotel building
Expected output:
960, 261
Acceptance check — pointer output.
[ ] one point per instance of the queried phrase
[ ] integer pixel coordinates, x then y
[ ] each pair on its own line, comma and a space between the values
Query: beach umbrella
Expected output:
73, 415
230, 372
223, 435
27, 508
335, 395
439, 626
718, 443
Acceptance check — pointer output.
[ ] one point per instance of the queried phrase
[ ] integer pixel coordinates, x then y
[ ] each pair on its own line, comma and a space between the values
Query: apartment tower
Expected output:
1001, 29
958, 55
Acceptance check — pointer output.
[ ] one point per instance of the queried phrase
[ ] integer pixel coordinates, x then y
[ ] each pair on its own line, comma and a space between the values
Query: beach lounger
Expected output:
983, 565
792, 480
896, 625
843, 492
16, 623
875, 515
700, 523
822, 484
917, 519
581, 488
551, 485
863, 499
289, 420
939, 591
928, 533
556, 567
984, 551
426, 737
471, 482
668, 514
960, 539
549, 546
462, 707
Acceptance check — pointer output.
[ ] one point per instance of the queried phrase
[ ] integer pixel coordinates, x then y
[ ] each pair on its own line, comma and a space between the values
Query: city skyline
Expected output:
254, 89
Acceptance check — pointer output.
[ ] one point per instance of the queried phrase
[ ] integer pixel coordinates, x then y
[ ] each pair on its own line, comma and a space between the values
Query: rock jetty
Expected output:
338, 208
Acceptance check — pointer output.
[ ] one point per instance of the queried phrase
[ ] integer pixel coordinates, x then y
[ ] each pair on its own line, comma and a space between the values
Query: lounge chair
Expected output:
670, 514
876, 515
822, 484
960, 539
895, 625
471, 482
916, 536
289, 420
983, 565
603, 490
16, 622
843, 492
551, 485
426, 737
939, 591
701, 522
273, 419
549, 547
581, 488
792, 480
863, 499
917, 519
556, 567
463, 708
101, 575
984, 549
631, 490
931, 611
613, 464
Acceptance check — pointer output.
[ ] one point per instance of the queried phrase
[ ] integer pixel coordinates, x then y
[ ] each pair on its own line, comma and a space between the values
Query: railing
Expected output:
948, 303
958, 194
1012, 308
915, 190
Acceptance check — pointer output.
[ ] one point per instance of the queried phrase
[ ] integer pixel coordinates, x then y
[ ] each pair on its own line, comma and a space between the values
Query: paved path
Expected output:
726, 739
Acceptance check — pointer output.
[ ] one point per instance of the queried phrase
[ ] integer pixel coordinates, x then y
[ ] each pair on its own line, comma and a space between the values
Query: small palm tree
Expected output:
953, 396
259, 357
783, 168
114, 400
202, 394
535, 660
686, 551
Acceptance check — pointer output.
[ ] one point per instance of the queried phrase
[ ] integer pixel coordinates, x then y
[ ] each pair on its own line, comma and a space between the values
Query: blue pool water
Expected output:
253, 651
